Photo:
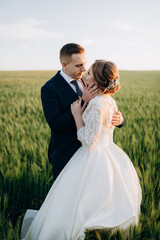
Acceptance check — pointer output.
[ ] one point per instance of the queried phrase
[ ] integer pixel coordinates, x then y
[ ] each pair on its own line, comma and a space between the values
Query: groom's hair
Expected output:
69, 49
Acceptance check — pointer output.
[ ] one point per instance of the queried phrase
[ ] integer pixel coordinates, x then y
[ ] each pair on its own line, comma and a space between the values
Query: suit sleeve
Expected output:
57, 120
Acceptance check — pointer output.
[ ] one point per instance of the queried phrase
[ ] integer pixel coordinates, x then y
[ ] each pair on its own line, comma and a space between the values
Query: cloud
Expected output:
4, 13
26, 47
87, 42
128, 28
124, 27
28, 29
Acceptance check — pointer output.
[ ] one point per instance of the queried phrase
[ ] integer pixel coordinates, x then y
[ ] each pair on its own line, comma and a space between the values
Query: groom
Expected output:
57, 95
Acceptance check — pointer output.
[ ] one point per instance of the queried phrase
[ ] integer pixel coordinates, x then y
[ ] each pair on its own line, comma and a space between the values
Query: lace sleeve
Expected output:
93, 120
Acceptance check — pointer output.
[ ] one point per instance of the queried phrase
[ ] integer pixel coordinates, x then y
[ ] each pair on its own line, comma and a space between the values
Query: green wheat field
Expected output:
25, 173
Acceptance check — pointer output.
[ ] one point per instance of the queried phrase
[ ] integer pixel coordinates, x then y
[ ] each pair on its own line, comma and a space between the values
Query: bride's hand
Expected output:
76, 107
90, 91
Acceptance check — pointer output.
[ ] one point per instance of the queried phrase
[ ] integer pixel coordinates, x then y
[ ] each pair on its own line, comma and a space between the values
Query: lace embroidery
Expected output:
97, 114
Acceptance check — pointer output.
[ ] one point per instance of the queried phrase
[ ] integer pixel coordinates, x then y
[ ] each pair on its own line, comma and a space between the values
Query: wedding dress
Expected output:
98, 188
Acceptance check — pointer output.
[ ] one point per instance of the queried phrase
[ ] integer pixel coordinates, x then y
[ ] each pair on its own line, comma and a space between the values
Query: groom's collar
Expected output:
65, 76
69, 79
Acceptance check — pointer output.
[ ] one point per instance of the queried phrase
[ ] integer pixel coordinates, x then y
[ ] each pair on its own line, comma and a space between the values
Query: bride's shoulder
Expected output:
105, 100
100, 101
94, 102
110, 99
112, 102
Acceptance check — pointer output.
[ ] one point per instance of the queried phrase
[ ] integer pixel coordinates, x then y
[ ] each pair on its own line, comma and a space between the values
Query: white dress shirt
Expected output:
69, 79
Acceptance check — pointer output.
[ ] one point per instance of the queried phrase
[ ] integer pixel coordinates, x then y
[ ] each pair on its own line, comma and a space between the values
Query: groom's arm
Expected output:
57, 120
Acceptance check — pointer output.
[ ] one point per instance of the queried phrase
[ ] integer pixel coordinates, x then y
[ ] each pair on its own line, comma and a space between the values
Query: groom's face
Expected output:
75, 65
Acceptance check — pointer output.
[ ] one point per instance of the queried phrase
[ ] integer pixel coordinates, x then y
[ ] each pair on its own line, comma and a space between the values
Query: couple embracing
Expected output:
96, 185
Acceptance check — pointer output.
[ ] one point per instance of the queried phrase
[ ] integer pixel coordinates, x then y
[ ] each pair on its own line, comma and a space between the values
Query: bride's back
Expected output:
97, 118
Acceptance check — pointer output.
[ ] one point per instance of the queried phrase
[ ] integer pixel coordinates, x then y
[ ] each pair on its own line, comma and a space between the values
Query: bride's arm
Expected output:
88, 131
77, 111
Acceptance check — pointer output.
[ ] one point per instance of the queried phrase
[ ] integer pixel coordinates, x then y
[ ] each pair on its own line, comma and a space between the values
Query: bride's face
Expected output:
89, 78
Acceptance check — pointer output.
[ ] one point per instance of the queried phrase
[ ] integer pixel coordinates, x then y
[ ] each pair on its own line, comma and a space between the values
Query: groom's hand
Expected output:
89, 92
117, 119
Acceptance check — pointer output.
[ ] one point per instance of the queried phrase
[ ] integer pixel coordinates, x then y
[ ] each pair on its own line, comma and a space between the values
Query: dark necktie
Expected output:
78, 90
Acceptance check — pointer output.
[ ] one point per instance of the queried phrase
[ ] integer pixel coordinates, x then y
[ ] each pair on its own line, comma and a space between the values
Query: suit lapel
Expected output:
65, 89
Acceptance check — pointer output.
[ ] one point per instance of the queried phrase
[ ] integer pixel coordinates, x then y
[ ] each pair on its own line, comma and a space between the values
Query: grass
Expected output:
25, 173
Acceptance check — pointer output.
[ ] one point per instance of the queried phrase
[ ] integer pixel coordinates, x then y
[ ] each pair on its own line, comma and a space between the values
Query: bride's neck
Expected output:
101, 93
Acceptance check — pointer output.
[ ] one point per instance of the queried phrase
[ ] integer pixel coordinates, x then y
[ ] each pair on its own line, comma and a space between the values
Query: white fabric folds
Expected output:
98, 188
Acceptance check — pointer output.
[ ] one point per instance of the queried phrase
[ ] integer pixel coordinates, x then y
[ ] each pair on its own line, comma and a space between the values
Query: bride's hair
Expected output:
106, 75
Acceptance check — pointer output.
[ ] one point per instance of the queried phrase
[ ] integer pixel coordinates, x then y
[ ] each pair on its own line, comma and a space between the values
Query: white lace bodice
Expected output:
97, 119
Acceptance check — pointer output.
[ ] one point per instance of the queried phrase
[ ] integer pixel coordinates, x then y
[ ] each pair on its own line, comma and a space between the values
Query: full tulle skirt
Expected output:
98, 188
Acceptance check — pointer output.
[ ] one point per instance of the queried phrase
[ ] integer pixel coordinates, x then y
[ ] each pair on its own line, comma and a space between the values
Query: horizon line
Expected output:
49, 70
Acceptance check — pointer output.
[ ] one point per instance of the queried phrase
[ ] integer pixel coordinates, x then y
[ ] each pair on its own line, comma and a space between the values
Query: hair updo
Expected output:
106, 75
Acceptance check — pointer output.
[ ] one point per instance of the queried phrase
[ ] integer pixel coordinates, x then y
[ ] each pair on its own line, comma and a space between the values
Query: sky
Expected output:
126, 32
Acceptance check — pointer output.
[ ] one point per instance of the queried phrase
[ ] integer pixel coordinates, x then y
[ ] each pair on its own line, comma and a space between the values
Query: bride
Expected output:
99, 187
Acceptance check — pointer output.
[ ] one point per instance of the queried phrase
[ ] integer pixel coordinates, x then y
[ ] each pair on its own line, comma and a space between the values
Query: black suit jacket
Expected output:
57, 96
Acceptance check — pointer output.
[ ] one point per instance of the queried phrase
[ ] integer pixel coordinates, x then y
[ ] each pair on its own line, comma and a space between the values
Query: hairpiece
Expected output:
113, 83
